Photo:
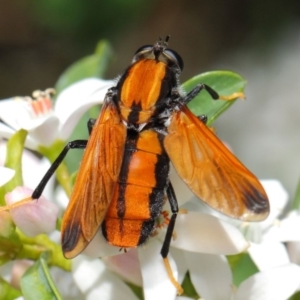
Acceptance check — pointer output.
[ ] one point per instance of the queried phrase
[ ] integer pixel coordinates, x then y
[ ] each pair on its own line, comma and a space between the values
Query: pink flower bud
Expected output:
33, 218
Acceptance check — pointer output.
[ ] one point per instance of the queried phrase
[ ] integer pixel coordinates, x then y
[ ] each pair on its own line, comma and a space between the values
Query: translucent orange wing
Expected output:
95, 181
211, 171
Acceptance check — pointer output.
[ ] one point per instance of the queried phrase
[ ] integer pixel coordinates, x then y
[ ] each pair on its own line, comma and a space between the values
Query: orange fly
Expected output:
124, 174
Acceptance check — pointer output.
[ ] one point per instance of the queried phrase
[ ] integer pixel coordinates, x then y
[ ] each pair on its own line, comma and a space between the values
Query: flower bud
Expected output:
33, 218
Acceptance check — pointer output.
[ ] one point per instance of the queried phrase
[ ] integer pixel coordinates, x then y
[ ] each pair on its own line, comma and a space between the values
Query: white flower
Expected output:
95, 281
145, 263
278, 277
201, 243
270, 255
281, 243
267, 250
258, 233
278, 198
45, 124
273, 284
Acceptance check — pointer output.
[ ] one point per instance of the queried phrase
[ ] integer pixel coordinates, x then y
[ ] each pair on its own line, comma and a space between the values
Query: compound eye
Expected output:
144, 49
173, 55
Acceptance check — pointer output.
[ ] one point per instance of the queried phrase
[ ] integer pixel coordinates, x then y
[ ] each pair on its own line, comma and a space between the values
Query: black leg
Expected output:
166, 245
78, 144
196, 90
203, 118
174, 208
90, 125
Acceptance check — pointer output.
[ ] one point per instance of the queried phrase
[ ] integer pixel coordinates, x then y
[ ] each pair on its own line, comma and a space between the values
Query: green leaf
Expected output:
37, 282
224, 83
138, 291
296, 296
188, 287
15, 146
242, 267
90, 66
7, 292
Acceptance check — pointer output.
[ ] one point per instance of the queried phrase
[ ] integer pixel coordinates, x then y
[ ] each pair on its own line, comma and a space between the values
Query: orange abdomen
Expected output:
139, 194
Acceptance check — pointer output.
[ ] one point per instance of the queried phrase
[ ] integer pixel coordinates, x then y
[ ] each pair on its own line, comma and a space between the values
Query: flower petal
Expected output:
96, 282
278, 198
210, 274
99, 247
17, 113
198, 232
18, 270
178, 256
274, 284
268, 255
75, 100
285, 230
126, 265
82, 266
7, 132
34, 170
65, 283
36, 217
157, 284
293, 249
5, 270
43, 131
6, 174
12, 110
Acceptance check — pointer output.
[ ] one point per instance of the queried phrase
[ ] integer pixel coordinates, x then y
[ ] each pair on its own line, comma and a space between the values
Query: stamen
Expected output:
183, 211
41, 102
163, 219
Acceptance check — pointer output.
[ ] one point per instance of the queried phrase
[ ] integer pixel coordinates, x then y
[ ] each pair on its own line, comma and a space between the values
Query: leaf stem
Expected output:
34, 247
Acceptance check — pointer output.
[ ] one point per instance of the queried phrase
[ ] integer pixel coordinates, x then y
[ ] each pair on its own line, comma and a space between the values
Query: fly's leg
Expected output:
77, 144
198, 88
203, 118
90, 125
174, 209
166, 245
